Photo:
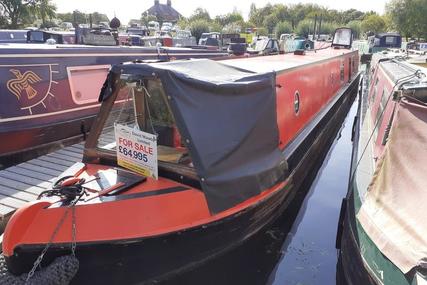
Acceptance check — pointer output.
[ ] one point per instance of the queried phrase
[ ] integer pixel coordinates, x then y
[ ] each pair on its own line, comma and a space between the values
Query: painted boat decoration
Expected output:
382, 232
46, 88
223, 146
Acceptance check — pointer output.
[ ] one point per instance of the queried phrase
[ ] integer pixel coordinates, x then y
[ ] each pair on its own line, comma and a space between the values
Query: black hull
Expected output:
152, 259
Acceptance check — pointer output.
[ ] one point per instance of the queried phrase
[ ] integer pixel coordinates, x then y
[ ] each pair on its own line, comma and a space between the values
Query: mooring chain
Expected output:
55, 232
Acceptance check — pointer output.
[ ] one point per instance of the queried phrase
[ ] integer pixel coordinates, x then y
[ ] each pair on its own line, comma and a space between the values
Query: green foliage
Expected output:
183, 23
200, 14
16, 11
373, 23
328, 28
75, 17
198, 27
356, 26
304, 28
283, 28
262, 32
45, 10
229, 18
98, 17
146, 18
270, 22
215, 27
409, 17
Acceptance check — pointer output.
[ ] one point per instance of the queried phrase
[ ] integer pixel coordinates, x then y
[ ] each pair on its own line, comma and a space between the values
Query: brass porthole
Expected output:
296, 102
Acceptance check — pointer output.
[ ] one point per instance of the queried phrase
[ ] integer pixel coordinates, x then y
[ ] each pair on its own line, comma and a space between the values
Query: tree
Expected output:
328, 28
198, 27
373, 23
3, 20
408, 17
282, 28
15, 10
304, 28
146, 18
356, 26
229, 18
99, 17
262, 32
45, 10
270, 22
200, 14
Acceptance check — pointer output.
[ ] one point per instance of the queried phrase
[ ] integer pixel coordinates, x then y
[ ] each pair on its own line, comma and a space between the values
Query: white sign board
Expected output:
136, 150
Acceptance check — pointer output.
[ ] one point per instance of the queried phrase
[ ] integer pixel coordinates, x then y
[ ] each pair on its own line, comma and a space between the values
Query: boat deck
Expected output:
24, 182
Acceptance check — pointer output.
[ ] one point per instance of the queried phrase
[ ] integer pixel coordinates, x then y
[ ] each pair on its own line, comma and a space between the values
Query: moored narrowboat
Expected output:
186, 160
45, 88
382, 230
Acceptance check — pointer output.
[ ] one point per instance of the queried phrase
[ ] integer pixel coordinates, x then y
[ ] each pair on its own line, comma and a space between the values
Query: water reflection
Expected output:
299, 248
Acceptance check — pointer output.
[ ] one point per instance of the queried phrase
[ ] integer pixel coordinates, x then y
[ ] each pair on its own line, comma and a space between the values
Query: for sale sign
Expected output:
136, 150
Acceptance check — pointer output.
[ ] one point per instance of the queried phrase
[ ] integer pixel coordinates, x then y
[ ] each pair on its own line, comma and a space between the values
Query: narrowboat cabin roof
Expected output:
285, 62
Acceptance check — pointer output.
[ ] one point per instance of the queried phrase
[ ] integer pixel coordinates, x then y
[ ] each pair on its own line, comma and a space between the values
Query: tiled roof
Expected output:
164, 12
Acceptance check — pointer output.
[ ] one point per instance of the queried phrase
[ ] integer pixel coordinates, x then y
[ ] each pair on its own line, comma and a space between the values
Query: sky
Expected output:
132, 9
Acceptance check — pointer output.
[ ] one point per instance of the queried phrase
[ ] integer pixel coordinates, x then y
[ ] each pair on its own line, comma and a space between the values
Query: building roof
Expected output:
164, 12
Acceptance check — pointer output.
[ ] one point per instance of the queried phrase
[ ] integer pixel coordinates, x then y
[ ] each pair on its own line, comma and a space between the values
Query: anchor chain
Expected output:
55, 232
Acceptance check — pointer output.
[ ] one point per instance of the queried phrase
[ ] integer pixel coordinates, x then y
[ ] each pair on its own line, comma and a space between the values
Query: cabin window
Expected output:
146, 108
390, 40
86, 81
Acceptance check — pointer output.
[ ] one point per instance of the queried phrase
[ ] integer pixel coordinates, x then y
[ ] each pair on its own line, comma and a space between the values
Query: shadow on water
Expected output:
299, 248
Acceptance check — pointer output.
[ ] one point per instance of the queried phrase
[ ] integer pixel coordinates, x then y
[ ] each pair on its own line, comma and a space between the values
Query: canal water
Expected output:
299, 248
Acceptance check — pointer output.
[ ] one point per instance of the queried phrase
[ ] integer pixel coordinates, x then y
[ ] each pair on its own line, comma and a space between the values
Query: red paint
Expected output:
316, 84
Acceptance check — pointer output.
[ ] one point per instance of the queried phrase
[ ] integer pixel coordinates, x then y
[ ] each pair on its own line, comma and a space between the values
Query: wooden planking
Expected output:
75, 150
36, 169
11, 202
31, 173
62, 157
25, 179
5, 210
56, 160
24, 182
47, 164
17, 194
18, 185
70, 154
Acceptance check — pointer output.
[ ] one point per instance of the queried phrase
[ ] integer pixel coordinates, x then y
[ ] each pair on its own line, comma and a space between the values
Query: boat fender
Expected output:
60, 272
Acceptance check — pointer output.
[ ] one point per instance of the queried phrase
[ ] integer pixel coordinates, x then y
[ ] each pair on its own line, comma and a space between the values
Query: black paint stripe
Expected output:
144, 194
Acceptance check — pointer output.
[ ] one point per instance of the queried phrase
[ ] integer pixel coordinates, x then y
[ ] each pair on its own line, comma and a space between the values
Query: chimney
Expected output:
156, 2
169, 2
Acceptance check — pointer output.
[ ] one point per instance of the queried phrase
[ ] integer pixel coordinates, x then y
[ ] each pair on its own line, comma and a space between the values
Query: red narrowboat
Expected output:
234, 139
